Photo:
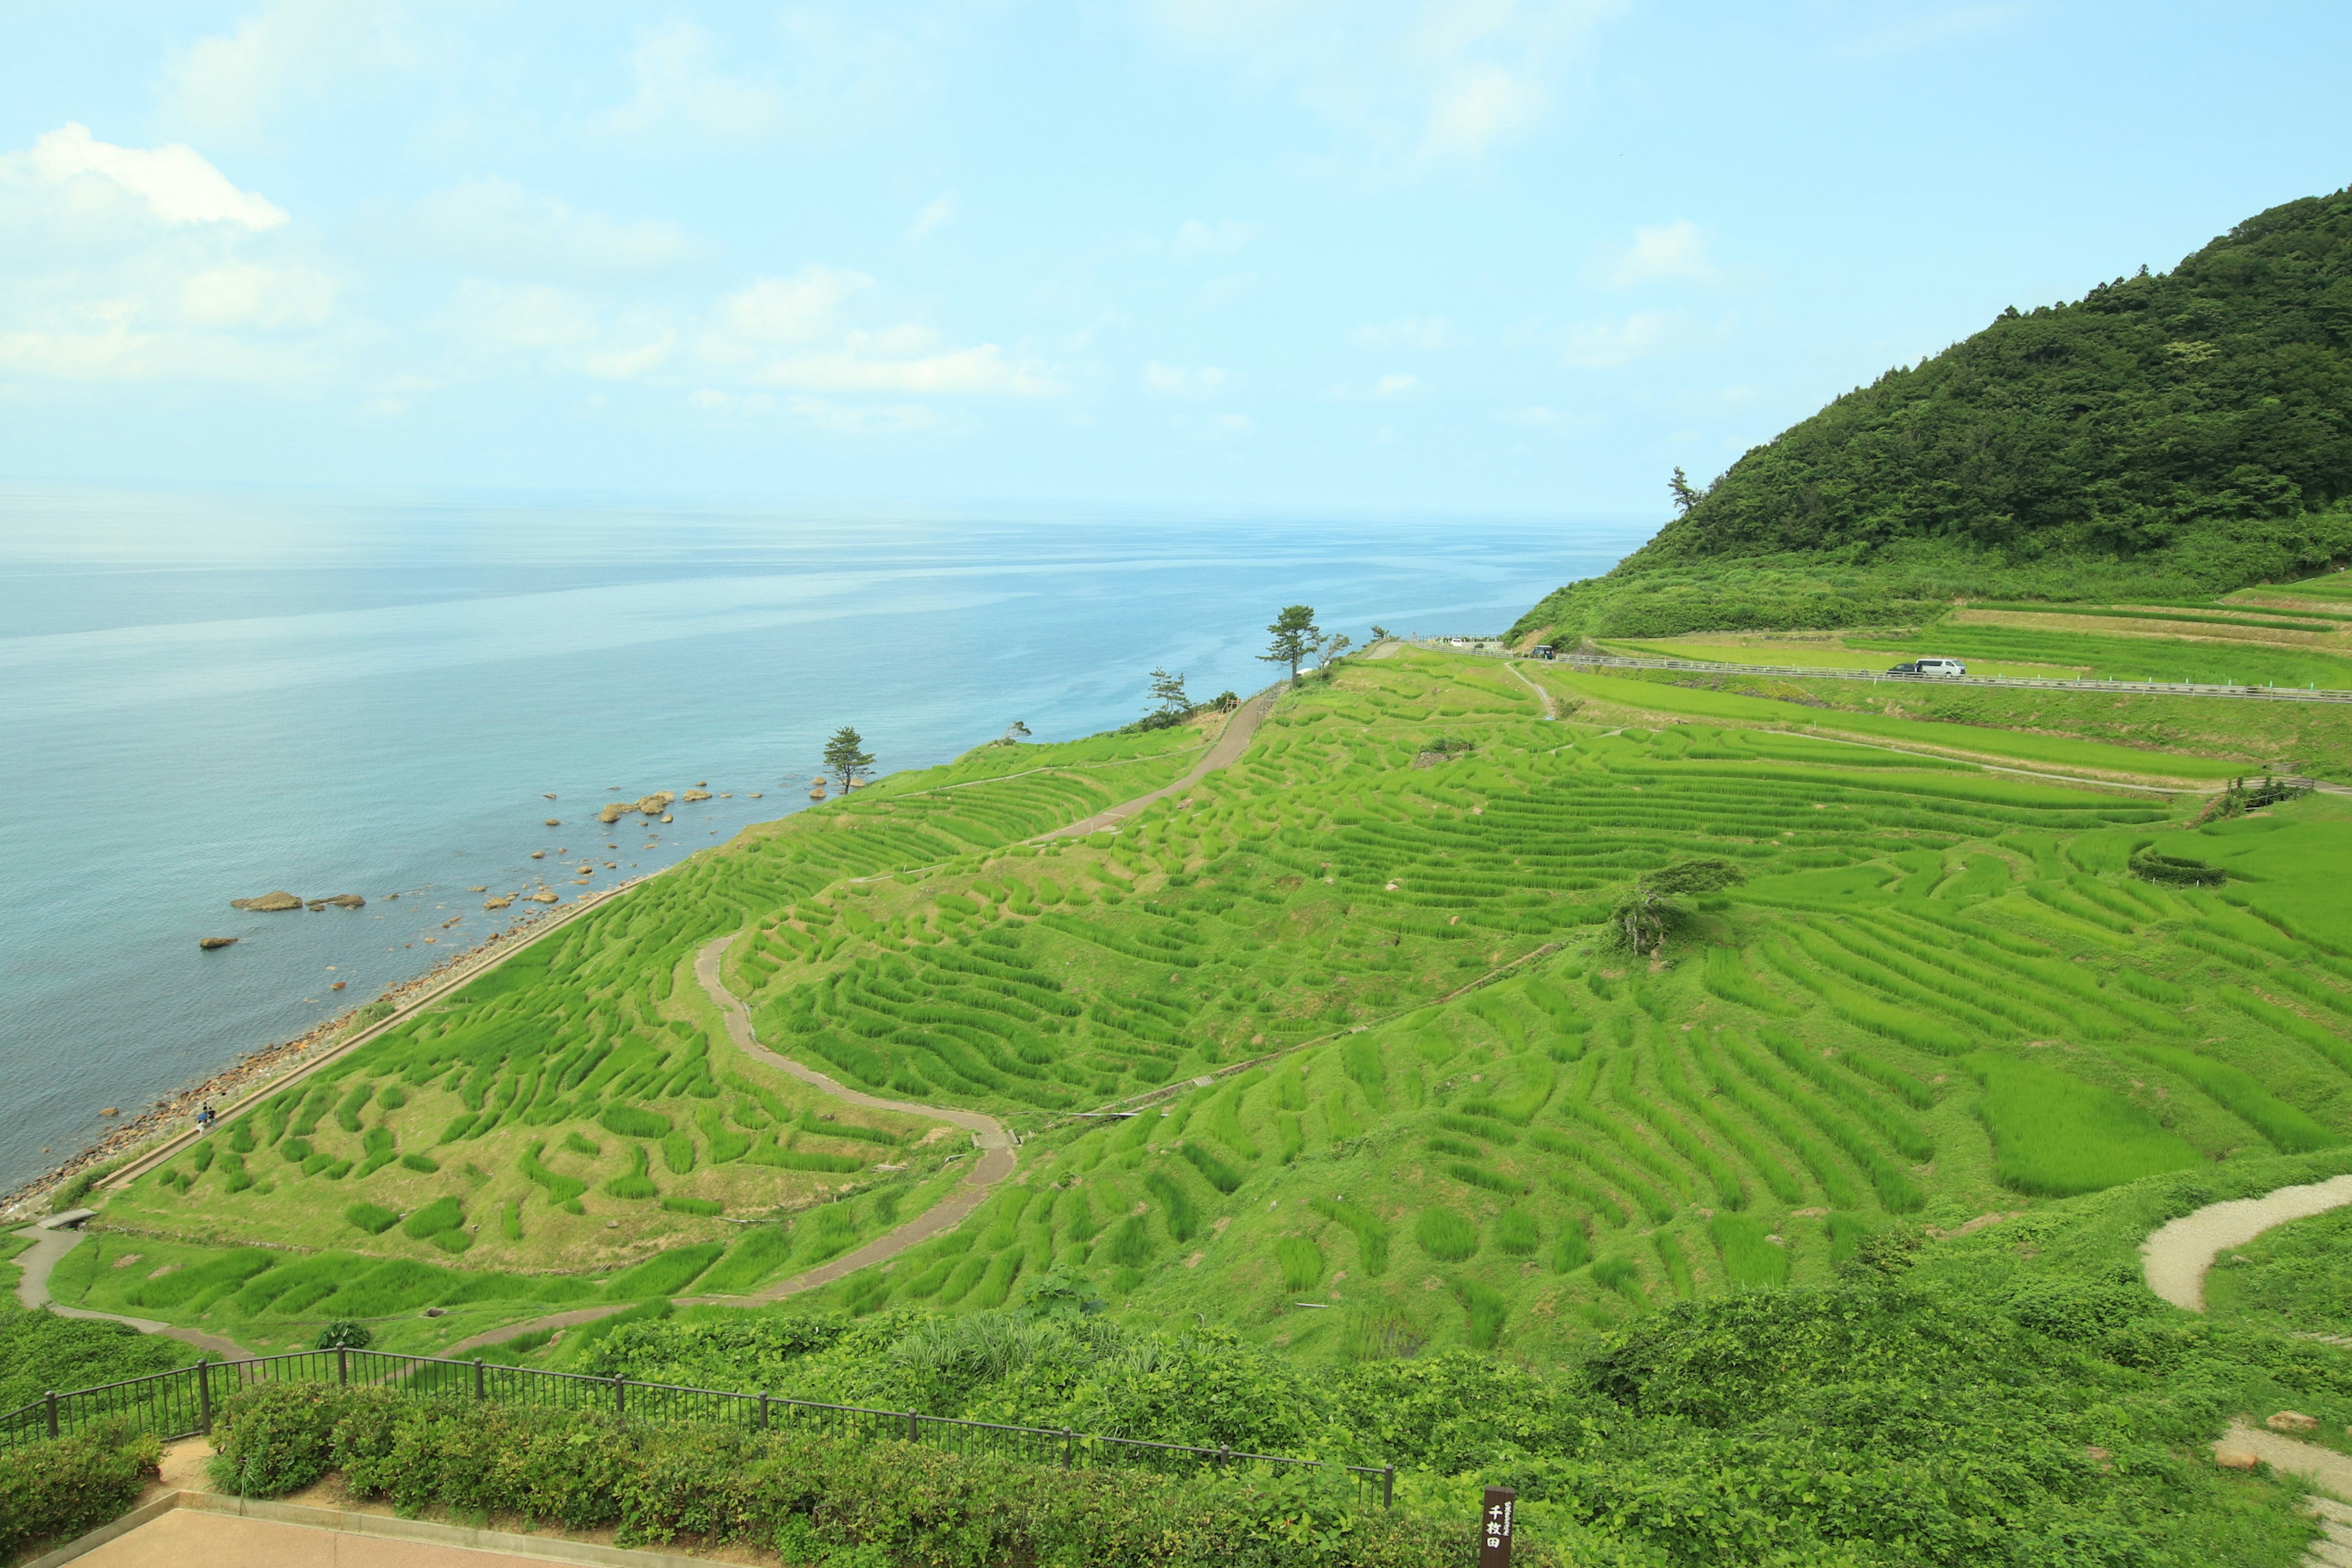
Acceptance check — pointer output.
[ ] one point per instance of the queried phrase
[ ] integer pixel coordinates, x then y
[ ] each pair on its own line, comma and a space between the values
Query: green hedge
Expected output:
811, 1496
56, 1490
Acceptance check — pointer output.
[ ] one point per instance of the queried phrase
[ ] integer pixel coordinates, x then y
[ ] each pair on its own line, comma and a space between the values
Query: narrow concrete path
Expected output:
40, 1260
2325, 1471
2175, 1259
1228, 745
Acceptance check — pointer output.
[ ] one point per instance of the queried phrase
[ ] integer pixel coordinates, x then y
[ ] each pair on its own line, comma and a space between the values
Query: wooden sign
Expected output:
1495, 1529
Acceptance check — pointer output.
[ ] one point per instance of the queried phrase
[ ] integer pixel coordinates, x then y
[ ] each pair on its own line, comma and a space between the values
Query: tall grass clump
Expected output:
1446, 1235
1515, 1234
1175, 1203
1488, 1311
1221, 1176
1367, 1228
2287, 1128
1301, 1262
1751, 1258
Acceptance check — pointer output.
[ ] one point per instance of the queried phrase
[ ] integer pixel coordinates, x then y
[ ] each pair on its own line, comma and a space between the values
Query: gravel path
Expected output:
2175, 1258
1228, 745
40, 1260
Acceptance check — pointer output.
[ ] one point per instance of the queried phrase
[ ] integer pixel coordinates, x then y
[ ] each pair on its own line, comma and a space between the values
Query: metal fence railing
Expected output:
181, 1402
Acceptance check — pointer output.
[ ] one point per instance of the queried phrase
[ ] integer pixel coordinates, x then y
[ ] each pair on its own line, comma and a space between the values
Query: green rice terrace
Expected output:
1421, 1087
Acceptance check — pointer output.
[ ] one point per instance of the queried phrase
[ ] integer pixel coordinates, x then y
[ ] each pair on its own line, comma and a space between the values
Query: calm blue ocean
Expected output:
209, 697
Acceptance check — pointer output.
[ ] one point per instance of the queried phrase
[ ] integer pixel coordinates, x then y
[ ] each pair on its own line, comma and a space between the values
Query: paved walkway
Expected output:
1228, 746
39, 1261
188, 1538
2175, 1259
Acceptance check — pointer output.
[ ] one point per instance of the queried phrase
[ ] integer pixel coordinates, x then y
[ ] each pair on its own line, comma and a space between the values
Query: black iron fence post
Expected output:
620, 1399
763, 1410
914, 1426
51, 1401
1069, 1448
478, 1377
344, 1367
1388, 1487
204, 1395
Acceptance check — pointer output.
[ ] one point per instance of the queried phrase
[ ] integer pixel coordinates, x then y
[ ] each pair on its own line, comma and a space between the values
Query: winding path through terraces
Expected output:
996, 1146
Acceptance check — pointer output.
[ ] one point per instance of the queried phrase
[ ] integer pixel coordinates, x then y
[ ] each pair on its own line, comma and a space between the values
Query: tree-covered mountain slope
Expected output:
2181, 432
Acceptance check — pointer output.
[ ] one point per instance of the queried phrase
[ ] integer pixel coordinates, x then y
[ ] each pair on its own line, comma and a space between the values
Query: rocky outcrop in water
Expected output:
339, 901
269, 903
210, 943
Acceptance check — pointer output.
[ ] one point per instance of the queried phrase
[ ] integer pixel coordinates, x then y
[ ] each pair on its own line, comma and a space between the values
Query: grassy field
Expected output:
2010, 747
1434, 1103
1382, 1088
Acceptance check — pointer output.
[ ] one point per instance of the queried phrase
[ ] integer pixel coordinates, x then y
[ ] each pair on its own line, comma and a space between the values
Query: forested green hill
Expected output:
2182, 433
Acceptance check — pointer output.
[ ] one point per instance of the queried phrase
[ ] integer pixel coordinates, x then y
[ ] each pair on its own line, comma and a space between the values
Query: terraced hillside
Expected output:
1391, 1087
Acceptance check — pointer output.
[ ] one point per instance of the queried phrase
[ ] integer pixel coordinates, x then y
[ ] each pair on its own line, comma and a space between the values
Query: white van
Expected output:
1947, 668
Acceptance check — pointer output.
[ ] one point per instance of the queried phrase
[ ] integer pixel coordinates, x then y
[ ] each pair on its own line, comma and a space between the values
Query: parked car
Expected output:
1947, 668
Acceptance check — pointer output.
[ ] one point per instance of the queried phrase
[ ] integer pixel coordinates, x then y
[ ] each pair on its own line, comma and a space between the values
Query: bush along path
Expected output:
38, 1262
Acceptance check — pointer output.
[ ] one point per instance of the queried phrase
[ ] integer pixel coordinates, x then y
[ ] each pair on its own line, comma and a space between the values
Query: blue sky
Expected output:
1484, 255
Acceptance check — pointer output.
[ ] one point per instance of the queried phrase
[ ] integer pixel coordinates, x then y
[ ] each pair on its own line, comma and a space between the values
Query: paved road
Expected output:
2177, 1257
2018, 682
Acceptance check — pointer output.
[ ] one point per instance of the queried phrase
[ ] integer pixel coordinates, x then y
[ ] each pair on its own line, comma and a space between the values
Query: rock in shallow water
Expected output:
209, 942
269, 903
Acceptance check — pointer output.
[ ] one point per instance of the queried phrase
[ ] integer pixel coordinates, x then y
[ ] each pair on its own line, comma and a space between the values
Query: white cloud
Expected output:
834, 76
937, 215
1223, 290
493, 225
174, 180
230, 83
1673, 252
793, 310
678, 77
1392, 387
120, 264
1611, 341
1177, 381
1413, 82
864, 363
1406, 332
243, 294
1195, 239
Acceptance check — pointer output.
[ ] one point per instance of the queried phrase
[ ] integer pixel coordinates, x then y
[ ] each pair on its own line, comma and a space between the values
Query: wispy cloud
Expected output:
1179, 380
1610, 342
1406, 332
1671, 252
937, 213
1927, 31
1411, 83
493, 225
230, 83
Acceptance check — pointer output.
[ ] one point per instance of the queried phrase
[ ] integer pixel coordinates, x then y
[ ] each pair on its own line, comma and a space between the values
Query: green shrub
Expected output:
421, 1162
1445, 1235
345, 1333
56, 1490
443, 1213
41, 1351
373, 1219
1488, 1310
275, 1439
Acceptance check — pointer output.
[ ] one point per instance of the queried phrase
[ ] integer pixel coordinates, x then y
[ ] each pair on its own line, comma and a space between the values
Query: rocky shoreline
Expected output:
255, 1066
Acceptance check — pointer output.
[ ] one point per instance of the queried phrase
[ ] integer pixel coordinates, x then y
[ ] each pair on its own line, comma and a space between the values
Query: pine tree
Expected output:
845, 757
1295, 636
